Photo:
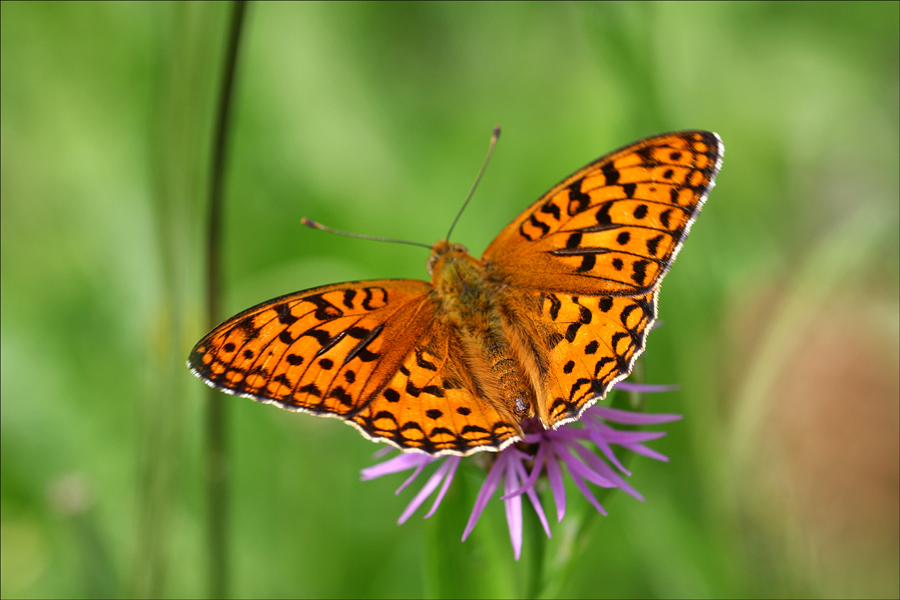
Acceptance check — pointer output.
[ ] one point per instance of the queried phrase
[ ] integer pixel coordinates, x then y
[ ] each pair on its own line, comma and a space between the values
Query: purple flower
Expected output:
550, 452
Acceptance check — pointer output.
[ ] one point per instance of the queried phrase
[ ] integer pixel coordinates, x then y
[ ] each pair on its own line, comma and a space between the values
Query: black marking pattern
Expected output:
594, 343
619, 222
273, 352
645, 196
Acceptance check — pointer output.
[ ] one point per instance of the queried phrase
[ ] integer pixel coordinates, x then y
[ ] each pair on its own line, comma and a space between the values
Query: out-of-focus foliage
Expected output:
781, 316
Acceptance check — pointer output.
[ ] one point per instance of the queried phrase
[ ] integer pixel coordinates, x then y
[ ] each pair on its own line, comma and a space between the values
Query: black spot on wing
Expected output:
284, 314
545, 229
639, 275
551, 209
578, 200
325, 310
588, 262
555, 305
349, 295
610, 173
312, 389
370, 296
365, 337
424, 363
664, 217
342, 396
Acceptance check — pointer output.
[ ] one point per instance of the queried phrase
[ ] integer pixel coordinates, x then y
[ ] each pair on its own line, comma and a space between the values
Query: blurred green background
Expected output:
782, 315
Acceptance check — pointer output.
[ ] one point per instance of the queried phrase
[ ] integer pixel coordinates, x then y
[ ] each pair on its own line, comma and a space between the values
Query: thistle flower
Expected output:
541, 452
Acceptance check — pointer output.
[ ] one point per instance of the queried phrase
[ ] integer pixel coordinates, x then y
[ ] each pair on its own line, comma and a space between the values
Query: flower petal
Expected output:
645, 388
451, 464
597, 464
484, 494
535, 472
513, 505
533, 497
628, 417
555, 477
579, 470
399, 463
600, 440
586, 492
644, 450
423, 494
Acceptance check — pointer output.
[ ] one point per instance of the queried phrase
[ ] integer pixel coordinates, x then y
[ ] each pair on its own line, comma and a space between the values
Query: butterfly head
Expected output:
444, 252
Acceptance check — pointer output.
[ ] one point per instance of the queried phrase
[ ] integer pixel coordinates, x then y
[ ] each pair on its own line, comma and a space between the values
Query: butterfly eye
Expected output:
430, 264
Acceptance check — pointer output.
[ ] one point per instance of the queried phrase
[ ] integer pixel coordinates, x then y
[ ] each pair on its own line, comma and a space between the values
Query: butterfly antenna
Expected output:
362, 236
494, 137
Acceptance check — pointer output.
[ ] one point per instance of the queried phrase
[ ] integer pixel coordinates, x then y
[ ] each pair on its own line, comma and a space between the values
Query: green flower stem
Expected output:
572, 535
534, 547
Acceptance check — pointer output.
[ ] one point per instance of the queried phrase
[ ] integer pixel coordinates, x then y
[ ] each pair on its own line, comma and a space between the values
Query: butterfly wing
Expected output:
434, 404
578, 347
374, 353
615, 226
580, 268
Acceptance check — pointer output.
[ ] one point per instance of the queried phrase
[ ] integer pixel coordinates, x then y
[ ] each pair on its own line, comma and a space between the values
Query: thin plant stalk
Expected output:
216, 416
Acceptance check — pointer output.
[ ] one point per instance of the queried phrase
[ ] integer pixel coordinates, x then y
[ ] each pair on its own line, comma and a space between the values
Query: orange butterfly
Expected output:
553, 315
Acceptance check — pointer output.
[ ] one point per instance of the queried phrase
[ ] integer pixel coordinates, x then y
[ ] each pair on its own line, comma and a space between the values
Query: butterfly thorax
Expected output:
468, 302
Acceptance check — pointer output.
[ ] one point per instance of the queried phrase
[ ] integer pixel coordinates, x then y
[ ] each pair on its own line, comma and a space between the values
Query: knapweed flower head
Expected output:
572, 449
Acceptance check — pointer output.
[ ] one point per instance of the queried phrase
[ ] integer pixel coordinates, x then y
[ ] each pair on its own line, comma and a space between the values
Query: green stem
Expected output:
535, 549
216, 416
574, 532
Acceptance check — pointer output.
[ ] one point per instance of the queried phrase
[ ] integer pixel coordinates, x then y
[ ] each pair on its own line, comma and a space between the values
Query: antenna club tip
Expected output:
496, 133
307, 222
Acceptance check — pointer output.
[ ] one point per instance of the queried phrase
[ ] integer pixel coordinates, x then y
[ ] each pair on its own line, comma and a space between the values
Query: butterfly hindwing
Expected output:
432, 403
595, 343
615, 226
578, 346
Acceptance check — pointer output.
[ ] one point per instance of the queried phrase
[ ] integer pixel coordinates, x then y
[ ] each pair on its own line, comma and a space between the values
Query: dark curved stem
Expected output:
216, 423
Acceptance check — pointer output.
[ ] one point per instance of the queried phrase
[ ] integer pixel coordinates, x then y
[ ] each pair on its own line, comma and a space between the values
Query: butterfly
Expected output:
554, 313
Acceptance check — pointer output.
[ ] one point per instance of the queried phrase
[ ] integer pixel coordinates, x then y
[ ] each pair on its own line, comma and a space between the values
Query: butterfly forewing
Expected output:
328, 350
615, 226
